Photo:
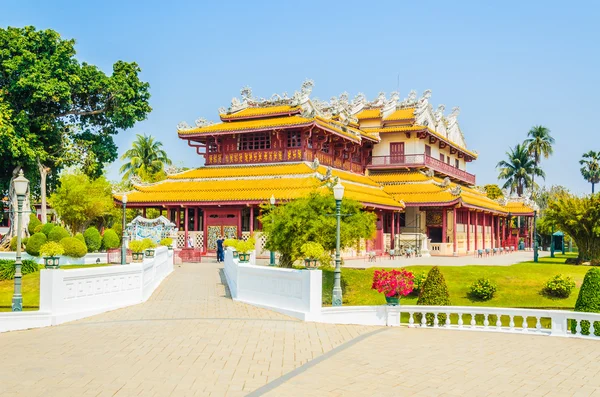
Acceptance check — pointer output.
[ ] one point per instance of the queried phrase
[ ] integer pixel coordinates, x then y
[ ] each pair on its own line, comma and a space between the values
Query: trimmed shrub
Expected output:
58, 233
589, 301
418, 282
52, 248
47, 228
33, 223
38, 228
110, 239
167, 241
7, 268
483, 289
13, 243
559, 286
434, 292
79, 237
25, 240
34, 244
93, 240
73, 247
137, 246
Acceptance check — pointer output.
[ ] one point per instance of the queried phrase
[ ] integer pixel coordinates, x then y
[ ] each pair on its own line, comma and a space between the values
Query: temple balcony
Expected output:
410, 161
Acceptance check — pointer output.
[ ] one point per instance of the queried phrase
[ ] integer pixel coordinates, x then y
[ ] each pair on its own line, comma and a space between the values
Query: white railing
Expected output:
88, 259
293, 292
67, 295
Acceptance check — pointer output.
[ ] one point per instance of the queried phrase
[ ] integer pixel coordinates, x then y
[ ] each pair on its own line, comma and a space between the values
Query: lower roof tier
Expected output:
243, 184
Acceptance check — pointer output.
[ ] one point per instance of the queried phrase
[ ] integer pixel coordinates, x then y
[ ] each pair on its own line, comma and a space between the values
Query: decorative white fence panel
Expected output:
293, 292
67, 295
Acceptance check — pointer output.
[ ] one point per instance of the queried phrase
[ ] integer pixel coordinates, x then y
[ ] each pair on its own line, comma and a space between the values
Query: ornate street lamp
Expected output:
20, 184
338, 195
123, 237
272, 201
535, 246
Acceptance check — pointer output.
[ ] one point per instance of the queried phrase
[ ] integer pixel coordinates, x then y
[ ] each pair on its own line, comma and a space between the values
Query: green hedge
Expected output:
434, 292
47, 228
57, 234
73, 247
34, 244
33, 223
589, 301
7, 268
93, 240
110, 239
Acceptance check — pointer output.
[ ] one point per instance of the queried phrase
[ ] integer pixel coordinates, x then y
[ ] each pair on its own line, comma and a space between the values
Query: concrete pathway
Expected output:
190, 339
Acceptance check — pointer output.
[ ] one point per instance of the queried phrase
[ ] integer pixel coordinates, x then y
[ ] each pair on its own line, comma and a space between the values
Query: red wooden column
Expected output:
393, 230
492, 231
444, 225
468, 231
483, 230
185, 225
144, 212
476, 227
454, 242
196, 212
178, 218
503, 242
498, 231
251, 219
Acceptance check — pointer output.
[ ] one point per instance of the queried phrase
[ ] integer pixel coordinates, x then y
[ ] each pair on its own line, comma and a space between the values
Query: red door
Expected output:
397, 152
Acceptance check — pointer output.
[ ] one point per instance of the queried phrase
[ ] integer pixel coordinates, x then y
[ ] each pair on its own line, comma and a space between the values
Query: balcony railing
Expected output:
420, 160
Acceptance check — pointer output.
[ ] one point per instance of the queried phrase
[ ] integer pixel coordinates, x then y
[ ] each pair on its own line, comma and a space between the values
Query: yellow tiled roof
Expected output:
443, 138
401, 114
260, 111
245, 171
397, 128
517, 207
369, 114
398, 176
248, 125
340, 128
349, 176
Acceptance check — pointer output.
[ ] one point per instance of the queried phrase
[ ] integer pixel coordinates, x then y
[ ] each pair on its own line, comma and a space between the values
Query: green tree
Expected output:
56, 111
312, 218
93, 240
493, 191
518, 170
539, 144
591, 167
588, 300
434, 292
146, 159
579, 217
79, 201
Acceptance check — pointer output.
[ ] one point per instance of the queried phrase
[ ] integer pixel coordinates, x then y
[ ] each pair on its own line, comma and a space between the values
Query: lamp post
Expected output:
272, 253
338, 195
123, 237
20, 184
535, 246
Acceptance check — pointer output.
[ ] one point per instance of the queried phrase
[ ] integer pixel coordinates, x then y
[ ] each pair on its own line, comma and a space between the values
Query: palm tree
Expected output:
539, 144
518, 170
146, 158
591, 167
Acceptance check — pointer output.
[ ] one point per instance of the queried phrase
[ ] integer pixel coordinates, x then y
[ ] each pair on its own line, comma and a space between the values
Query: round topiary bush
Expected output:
482, 289
34, 244
13, 243
73, 247
38, 228
58, 233
33, 223
47, 228
79, 237
419, 279
93, 240
110, 239
559, 286
589, 301
434, 292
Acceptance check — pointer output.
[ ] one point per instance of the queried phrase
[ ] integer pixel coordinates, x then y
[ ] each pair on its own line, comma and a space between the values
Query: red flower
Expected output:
393, 283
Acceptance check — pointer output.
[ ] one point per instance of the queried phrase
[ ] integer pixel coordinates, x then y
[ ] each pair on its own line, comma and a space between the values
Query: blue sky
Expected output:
508, 65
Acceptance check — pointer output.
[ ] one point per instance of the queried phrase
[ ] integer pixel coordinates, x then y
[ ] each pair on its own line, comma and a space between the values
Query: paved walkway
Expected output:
190, 339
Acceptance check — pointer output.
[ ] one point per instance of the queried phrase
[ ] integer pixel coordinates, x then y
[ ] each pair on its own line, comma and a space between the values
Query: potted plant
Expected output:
51, 252
312, 252
149, 246
137, 248
244, 248
168, 242
393, 284
231, 243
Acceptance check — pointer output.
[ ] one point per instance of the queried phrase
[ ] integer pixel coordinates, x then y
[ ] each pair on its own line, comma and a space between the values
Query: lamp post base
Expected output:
17, 304
336, 299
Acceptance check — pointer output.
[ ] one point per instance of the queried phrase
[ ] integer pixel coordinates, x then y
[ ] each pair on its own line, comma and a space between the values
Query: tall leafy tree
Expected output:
493, 191
518, 170
61, 112
539, 144
311, 218
591, 167
146, 159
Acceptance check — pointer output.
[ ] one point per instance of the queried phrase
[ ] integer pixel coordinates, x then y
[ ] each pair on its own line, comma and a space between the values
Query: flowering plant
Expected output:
393, 283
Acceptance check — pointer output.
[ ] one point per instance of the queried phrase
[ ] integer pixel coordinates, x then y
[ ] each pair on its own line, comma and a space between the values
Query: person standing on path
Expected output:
220, 252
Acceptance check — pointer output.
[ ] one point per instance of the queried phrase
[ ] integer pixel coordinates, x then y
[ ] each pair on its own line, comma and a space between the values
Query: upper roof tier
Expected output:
355, 120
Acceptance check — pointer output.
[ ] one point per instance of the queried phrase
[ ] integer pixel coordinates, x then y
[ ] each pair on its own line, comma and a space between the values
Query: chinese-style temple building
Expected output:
400, 158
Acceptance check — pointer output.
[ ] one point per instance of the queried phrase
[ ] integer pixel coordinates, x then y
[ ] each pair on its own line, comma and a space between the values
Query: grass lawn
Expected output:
30, 289
518, 285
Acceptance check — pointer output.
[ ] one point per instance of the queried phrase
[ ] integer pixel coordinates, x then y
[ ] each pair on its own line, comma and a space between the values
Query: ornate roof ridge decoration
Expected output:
428, 173
456, 190
135, 180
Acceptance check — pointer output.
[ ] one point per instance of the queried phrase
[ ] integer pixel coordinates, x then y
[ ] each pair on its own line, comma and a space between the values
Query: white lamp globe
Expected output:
272, 199
20, 184
124, 199
338, 191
